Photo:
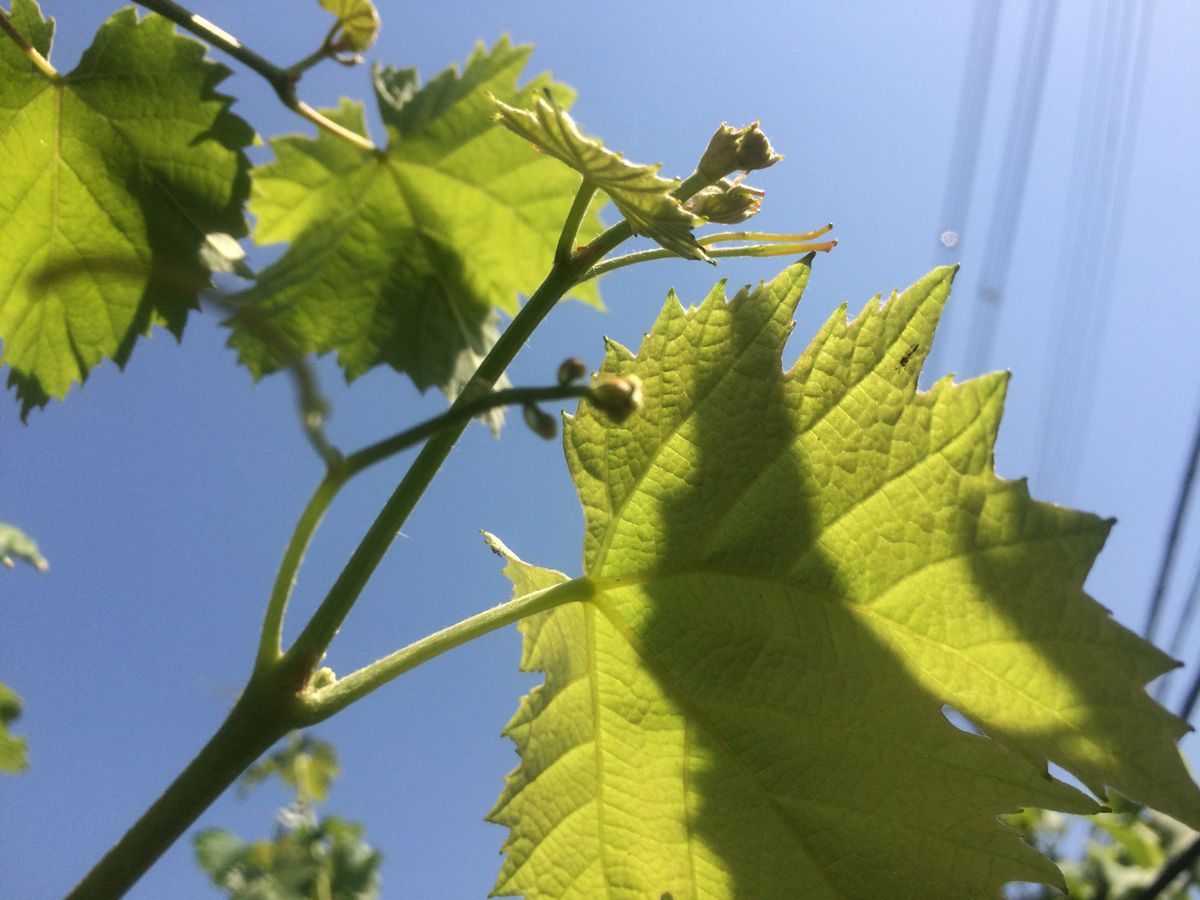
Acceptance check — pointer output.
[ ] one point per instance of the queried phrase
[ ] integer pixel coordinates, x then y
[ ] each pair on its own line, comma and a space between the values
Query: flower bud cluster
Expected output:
725, 202
736, 149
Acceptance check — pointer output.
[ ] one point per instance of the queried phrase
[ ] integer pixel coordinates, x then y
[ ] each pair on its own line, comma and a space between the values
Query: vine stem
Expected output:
277, 696
336, 476
316, 636
27, 48
281, 80
260, 717
1172, 870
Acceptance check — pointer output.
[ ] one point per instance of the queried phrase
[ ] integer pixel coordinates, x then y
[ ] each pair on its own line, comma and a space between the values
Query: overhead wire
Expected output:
972, 104
1080, 189
1010, 191
978, 67
1087, 283
1180, 634
1183, 498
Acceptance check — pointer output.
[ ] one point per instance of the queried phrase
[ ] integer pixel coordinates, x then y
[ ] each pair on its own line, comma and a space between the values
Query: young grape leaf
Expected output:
792, 575
639, 192
358, 21
113, 177
404, 256
13, 756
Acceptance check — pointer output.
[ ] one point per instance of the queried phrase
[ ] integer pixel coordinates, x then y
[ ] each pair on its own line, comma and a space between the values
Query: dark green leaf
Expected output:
404, 257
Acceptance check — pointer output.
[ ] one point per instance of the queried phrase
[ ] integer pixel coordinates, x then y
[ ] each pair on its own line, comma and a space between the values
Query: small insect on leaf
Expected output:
907, 356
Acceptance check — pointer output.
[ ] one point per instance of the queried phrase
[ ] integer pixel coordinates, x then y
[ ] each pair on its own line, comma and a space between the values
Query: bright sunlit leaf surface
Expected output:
791, 574
405, 256
13, 756
642, 196
110, 180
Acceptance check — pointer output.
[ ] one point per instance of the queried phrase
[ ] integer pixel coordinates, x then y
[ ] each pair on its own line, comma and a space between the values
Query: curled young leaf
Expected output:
641, 195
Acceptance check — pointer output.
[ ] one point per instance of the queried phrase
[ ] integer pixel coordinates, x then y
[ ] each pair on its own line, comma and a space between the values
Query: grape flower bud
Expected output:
736, 149
618, 396
571, 369
540, 422
725, 202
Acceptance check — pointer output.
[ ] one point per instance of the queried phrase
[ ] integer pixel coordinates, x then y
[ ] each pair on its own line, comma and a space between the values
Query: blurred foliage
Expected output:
16, 544
12, 748
309, 857
1116, 856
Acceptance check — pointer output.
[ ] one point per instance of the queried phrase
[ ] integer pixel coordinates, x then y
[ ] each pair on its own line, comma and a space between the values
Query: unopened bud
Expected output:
726, 203
720, 158
540, 422
323, 677
571, 370
755, 151
734, 149
619, 396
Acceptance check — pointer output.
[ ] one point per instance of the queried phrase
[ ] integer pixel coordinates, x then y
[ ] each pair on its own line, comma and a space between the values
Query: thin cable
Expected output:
1087, 287
1079, 189
1179, 638
1114, 224
1182, 499
972, 103
1010, 192
964, 157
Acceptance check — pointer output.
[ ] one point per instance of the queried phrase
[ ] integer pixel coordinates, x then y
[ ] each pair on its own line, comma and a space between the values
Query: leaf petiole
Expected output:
283, 81
270, 640
316, 636
325, 51
327, 701
570, 230
27, 48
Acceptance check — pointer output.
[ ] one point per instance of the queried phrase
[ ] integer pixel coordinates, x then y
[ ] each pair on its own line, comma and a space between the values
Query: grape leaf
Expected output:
639, 192
114, 175
404, 256
13, 756
791, 575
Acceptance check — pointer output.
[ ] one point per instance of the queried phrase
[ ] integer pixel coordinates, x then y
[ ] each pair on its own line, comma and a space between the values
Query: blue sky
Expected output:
163, 496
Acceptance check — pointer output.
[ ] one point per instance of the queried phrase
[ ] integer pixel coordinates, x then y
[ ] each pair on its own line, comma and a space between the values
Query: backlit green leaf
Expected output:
792, 574
13, 757
639, 192
404, 257
110, 180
